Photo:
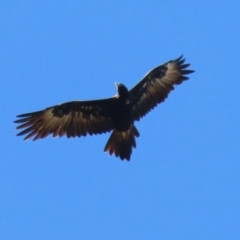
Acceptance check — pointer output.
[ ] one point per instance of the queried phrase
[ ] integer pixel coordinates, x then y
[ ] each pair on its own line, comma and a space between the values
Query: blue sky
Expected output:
183, 179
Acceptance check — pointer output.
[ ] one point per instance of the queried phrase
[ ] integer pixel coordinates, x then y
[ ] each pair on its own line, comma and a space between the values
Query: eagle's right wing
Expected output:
73, 119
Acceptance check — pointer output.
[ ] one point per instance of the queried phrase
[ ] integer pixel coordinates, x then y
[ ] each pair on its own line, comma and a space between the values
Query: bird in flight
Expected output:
116, 114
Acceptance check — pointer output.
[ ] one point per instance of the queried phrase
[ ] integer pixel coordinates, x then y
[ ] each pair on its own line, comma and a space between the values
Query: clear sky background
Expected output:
183, 180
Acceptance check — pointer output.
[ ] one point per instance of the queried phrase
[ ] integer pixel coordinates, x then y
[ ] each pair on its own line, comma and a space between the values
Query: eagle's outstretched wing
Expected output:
156, 86
73, 119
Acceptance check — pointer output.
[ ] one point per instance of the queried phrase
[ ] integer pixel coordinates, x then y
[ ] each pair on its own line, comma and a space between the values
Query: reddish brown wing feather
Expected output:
74, 119
156, 85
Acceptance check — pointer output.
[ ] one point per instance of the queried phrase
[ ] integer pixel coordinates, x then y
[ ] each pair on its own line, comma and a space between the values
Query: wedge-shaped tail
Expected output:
121, 143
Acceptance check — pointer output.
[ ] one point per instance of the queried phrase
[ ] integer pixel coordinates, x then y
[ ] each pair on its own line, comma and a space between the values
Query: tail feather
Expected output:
121, 143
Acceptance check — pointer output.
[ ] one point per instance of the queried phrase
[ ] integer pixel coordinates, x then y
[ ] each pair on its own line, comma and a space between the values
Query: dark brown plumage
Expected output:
79, 118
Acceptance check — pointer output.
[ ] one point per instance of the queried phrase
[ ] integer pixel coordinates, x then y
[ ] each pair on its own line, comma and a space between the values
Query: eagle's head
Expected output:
122, 90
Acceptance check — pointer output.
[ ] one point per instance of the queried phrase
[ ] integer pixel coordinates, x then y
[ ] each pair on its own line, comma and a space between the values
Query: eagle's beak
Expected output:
117, 85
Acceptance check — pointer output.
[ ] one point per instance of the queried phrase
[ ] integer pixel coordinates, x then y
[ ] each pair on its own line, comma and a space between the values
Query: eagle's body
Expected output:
117, 114
122, 111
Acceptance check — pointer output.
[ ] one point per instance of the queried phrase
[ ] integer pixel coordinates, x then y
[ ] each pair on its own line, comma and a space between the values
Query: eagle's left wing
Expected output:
156, 85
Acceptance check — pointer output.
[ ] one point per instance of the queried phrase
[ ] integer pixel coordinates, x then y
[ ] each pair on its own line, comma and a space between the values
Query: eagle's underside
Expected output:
117, 114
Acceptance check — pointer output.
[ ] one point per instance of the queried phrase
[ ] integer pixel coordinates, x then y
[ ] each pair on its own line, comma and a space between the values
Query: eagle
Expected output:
117, 114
